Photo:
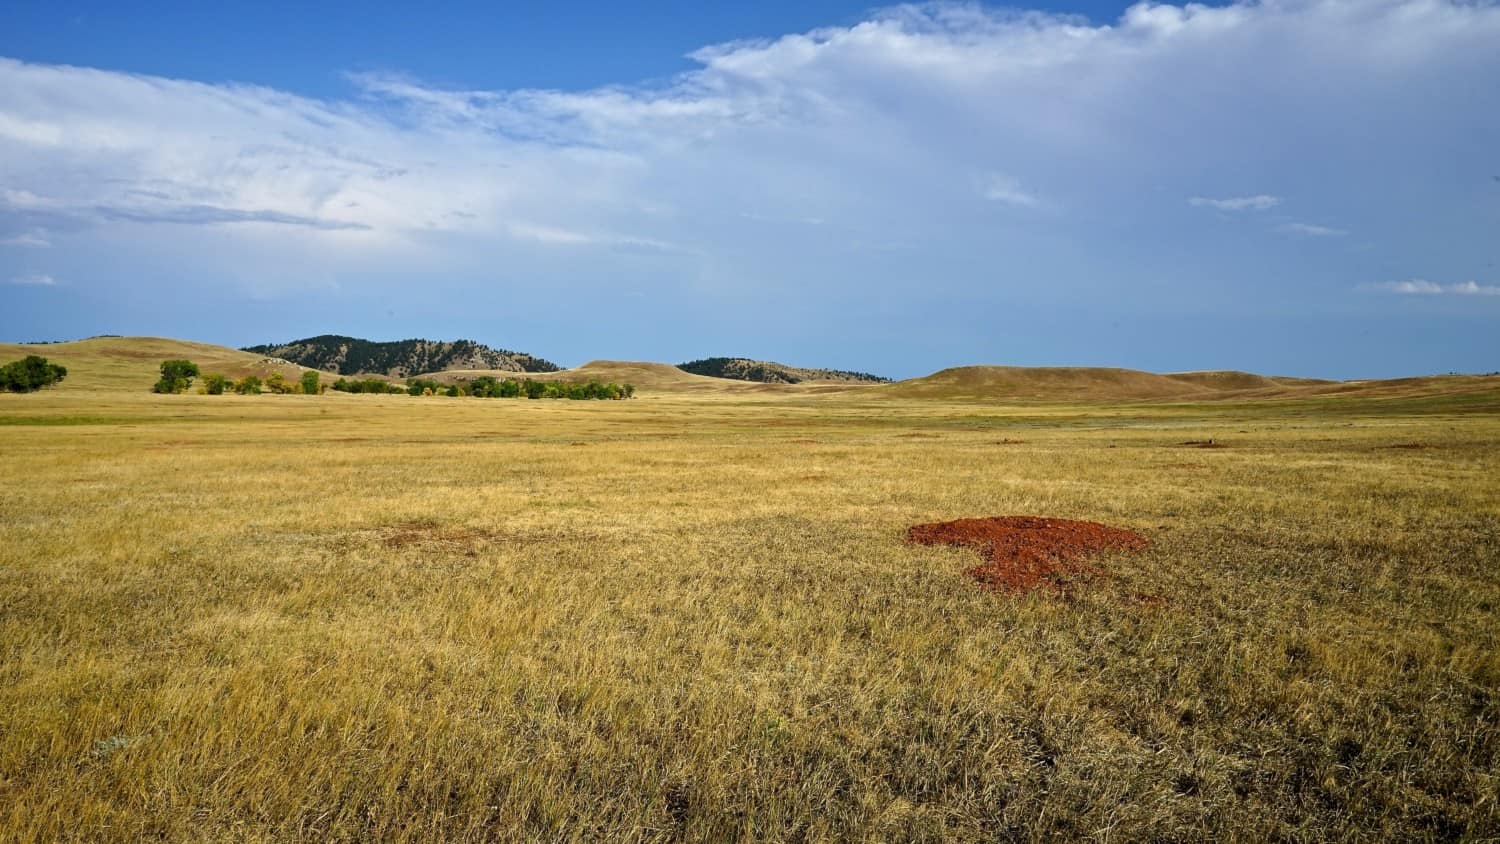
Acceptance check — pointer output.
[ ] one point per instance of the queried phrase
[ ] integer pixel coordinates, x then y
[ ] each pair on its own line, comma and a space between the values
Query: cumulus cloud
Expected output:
1422, 287
873, 133
1259, 202
34, 280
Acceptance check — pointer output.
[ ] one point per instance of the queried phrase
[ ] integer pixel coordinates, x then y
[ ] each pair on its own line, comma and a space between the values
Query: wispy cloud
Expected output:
998, 187
1422, 287
1310, 230
31, 239
1259, 202
34, 280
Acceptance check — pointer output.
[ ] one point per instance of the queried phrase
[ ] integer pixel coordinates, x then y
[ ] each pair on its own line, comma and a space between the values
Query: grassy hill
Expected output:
1102, 384
133, 363
400, 358
770, 372
1051, 383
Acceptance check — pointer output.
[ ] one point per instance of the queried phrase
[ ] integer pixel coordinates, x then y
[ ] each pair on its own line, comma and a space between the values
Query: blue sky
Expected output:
1296, 187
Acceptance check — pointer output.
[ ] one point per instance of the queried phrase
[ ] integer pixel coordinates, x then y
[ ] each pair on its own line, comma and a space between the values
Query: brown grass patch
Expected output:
1024, 553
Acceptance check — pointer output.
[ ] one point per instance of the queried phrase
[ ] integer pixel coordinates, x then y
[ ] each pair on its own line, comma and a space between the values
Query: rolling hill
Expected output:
133, 363
1060, 383
1103, 384
770, 372
342, 355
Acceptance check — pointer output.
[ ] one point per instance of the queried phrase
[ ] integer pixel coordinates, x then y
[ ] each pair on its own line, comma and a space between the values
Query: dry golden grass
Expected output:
692, 617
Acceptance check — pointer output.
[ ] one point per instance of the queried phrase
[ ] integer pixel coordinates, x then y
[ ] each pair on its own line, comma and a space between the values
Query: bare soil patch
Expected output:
919, 436
1023, 553
1008, 441
1412, 446
1208, 443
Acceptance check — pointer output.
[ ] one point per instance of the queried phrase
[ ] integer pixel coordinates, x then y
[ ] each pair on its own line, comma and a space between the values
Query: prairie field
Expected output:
692, 616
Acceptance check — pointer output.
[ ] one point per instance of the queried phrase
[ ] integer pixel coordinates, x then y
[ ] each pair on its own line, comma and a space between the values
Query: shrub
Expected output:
176, 376
310, 383
29, 374
215, 384
248, 386
422, 387
276, 382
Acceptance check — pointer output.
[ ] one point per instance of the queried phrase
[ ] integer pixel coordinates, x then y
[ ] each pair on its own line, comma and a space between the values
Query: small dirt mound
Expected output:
1208, 443
1022, 553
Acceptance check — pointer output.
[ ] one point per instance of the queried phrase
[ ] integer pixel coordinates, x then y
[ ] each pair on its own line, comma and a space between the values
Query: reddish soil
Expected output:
1022, 553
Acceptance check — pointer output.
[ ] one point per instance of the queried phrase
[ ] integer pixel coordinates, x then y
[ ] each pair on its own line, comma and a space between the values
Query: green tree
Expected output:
310, 382
30, 373
176, 376
215, 384
248, 386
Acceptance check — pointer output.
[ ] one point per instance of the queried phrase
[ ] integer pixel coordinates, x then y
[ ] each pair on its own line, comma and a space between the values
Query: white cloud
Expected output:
1259, 202
1310, 230
998, 187
34, 279
1422, 287
32, 239
872, 133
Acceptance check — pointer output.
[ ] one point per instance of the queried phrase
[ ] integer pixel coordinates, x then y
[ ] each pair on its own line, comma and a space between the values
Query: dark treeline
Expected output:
488, 387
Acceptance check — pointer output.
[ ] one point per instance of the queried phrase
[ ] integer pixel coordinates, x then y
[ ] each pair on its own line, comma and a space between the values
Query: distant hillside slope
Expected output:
1220, 379
770, 372
133, 363
1059, 383
1101, 384
353, 356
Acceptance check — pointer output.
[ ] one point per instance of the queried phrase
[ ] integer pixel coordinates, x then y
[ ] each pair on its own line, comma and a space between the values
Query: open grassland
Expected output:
692, 617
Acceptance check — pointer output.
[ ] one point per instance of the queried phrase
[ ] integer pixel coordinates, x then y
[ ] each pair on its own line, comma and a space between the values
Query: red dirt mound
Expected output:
1022, 553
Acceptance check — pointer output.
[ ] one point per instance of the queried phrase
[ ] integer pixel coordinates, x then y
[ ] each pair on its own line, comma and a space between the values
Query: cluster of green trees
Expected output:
29, 374
488, 387
177, 376
367, 385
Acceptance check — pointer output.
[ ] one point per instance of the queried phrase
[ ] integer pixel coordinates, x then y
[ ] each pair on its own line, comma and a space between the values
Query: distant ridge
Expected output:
352, 356
770, 372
